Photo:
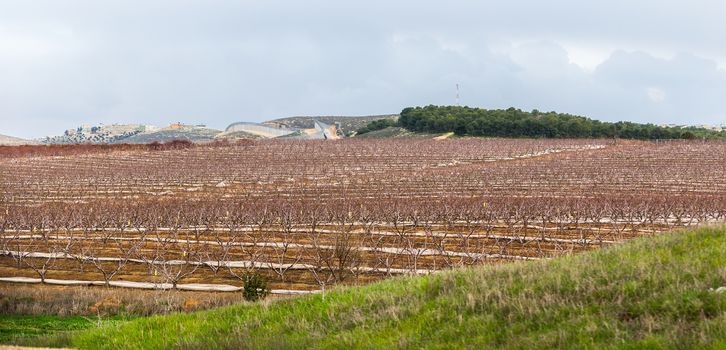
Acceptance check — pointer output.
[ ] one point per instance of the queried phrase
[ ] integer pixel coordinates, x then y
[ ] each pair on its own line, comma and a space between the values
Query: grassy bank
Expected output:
648, 293
14, 327
37, 299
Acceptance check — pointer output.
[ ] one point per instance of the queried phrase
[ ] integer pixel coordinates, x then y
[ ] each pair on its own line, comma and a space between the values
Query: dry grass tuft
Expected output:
16, 299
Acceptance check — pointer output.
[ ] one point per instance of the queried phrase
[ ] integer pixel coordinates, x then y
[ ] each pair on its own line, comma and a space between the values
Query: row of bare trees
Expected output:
87, 171
342, 211
332, 241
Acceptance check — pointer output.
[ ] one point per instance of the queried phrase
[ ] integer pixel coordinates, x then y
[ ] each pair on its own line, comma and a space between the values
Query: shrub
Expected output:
255, 287
377, 125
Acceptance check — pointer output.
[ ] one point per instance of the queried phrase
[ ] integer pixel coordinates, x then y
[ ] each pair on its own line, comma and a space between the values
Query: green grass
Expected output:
14, 327
393, 132
649, 293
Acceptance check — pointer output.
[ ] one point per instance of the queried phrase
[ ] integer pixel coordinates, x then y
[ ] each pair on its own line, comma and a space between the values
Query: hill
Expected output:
185, 133
347, 124
393, 132
513, 122
134, 134
99, 134
655, 292
236, 135
14, 141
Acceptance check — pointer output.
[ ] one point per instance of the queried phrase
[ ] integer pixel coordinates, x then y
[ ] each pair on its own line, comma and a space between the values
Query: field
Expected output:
307, 215
663, 292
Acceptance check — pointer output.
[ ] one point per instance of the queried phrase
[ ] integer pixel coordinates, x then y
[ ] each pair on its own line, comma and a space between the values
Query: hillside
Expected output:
14, 141
99, 134
134, 134
512, 122
347, 124
654, 292
187, 133
393, 132
236, 135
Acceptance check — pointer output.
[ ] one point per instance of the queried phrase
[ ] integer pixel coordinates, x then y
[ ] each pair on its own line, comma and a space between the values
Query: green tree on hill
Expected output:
512, 122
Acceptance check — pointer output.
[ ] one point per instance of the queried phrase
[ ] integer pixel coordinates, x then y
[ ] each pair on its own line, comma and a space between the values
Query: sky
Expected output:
64, 63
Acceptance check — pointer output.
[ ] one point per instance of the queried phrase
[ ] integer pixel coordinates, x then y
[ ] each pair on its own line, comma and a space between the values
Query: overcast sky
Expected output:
65, 63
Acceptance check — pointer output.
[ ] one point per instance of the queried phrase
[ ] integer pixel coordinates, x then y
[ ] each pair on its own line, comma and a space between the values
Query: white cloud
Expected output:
44, 42
587, 57
84, 61
655, 94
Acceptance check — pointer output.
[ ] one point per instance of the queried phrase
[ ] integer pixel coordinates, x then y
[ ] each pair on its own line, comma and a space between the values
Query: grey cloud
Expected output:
63, 63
